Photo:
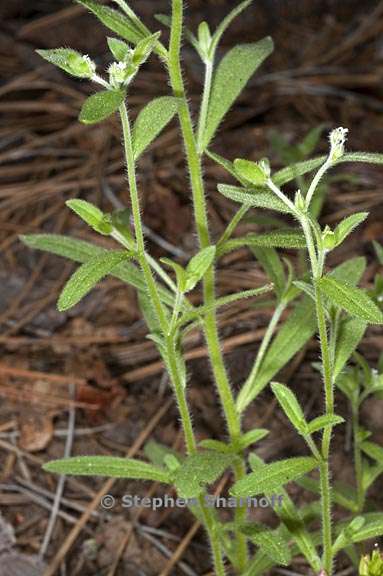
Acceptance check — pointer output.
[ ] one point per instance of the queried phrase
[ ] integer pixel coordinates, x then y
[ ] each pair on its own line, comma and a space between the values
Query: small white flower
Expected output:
91, 64
338, 139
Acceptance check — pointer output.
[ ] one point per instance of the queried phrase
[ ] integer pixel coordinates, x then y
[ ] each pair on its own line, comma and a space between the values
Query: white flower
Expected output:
338, 139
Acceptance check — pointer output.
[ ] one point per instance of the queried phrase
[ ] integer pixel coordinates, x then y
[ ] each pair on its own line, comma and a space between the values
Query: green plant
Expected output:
329, 303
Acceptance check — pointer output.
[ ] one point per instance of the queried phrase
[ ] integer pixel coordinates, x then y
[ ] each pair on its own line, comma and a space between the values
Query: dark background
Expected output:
327, 68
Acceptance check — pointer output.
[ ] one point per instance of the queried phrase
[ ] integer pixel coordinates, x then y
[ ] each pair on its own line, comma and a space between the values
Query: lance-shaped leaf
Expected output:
292, 520
290, 173
251, 437
361, 528
108, 466
272, 476
151, 121
232, 75
373, 450
101, 105
278, 239
200, 469
198, 266
295, 332
347, 225
92, 215
81, 251
253, 198
87, 276
69, 60
323, 422
123, 26
354, 300
290, 405
350, 271
224, 301
271, 542
350, 334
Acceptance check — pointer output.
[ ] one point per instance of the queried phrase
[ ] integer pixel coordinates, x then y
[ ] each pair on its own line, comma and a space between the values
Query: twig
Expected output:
61, 480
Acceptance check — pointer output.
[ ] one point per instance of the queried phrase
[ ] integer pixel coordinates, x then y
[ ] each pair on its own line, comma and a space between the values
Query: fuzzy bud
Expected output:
338, 139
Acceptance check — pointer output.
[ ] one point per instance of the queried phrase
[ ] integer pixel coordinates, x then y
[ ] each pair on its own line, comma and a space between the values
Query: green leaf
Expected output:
224, 163
350, 334
198, 266
273, 476
366, 157
156, 452
253, 198
350, 271
81, 251
123, 26
216, 445
251, 437
107, 466
373, 450
92, 215
224, 301
292, 520
347, 225
290, 405
360, 529
277, 239
342, 494
226, 23
323, 422
272, 264
119, 49
87, 276
200, 469
295, 332
250, 172
353, 300
311, 140
299, 169
232, 75
101, 105
69, 60
271, 542
151, 121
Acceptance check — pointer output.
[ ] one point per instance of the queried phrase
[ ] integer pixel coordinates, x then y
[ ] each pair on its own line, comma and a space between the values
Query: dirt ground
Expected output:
90, 377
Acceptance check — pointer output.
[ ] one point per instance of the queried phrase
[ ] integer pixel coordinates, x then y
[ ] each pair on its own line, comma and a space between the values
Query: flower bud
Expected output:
299, 202
338, 139
328, 239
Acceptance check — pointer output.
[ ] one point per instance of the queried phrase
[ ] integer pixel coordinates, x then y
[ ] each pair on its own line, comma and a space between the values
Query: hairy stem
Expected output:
324, 469
201, 219
171, 352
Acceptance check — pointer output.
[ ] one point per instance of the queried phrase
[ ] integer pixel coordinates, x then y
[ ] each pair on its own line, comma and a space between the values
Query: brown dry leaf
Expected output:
36, 421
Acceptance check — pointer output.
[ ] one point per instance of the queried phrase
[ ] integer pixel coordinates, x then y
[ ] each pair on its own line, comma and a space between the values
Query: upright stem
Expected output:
171, 353
324, 468
201, 219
